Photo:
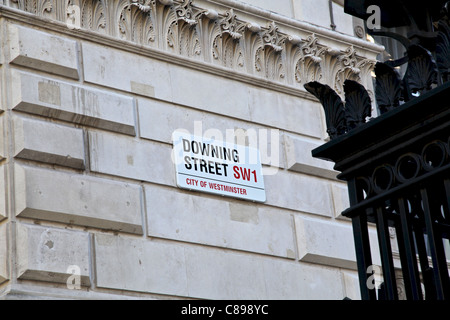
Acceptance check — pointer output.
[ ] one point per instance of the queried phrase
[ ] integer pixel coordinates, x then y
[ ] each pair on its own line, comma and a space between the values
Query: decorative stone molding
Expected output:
227, 49
222, 38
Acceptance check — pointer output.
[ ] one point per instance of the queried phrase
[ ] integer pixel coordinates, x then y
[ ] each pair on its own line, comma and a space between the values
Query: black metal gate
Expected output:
397, 167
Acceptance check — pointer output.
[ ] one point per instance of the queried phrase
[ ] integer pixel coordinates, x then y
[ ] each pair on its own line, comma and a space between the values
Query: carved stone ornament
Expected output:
38, 7
143, 5
227, 47
185, 12
180, 27
272, 37
308, 67
229, 24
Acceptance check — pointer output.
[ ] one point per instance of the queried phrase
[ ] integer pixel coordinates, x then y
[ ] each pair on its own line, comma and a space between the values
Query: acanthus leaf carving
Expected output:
226, 44
144, 5
182, 34
92, 15
37, 7
347, 69
268, 56
308, 66
135, 24
185, 12
271, 37
230, 25
44, 6
148, 5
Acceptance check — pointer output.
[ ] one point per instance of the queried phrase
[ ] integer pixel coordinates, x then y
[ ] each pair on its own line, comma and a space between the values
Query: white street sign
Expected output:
218, 167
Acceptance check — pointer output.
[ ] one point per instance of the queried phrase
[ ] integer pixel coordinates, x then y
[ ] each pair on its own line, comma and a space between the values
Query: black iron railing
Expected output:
397, 166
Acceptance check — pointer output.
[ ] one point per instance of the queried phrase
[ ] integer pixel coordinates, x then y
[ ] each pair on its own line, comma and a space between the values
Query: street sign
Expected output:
218, 167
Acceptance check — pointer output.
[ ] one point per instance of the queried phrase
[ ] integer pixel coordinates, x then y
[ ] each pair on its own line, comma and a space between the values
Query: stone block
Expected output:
156, 267
313, 12
341, 200
285, 112
325, 243
2, 107
2, 137
48, 142
208, 92
300, 281
43, 51
145, 266
76, 104
329, 243
299, 192
351, 284
342, 20
126, 71
158, 121
182, 216
4, 274
127, 157
224, 275
299, 158
207, 273
3, 44
283, 7
227, 275
50, 254
77, 199
3, 192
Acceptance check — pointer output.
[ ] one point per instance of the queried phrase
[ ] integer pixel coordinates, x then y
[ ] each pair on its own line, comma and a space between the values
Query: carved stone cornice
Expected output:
222, 35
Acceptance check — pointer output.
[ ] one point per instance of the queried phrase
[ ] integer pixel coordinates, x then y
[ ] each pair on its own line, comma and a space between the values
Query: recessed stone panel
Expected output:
48, 142
43, 51
50, 254
73, 198
73, 103
174, 214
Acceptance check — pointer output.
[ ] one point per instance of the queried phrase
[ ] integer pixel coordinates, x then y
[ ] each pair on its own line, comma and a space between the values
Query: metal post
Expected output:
441, 277
384, 241
362, 245
408, 254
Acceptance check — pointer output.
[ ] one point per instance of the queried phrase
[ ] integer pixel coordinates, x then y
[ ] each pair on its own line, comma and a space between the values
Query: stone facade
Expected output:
91, 92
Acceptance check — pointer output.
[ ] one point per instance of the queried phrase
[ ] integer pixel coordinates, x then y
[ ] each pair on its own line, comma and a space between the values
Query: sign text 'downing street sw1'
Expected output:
218, 167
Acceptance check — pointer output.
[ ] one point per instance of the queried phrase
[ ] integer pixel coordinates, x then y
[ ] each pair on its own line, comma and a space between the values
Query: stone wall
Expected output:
89, 103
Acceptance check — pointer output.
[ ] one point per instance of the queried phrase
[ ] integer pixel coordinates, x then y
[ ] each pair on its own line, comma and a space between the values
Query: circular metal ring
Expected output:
434, 155
407, 167
382, 178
